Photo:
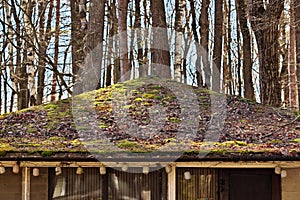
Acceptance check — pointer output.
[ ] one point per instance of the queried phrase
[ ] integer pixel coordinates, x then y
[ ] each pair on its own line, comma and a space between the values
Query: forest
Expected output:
249, 48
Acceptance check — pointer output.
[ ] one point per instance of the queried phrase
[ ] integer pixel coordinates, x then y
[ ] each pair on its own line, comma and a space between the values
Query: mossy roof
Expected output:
80, 127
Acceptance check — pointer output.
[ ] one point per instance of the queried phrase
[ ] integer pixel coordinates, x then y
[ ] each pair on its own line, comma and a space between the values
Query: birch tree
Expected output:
179, 31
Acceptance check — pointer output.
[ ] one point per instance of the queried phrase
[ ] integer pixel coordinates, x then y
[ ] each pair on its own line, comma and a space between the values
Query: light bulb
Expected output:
124, 168
57, 170
187, 175
146, 170
2, 169
15, 168
277, 170
35, 172
79, 170
168, 168
102, 170
283, 173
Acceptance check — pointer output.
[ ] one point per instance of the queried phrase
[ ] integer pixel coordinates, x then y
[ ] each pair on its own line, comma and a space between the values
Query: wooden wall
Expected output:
39, 185
290, 185
10, 185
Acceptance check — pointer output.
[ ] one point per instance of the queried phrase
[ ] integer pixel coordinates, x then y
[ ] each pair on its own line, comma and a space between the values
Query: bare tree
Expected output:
265, 20
292, 61
94, 39
123, 39
179, 9
78, 31
218, 47
56, 50
160, 54
227, 85
204, 33
297, 34
247, 57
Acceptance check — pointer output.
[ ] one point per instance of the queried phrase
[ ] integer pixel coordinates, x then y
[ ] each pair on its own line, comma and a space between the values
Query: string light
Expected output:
283, 173
102, 170
168, 168
124, 167
58, 170
2, 169
35, 172
187, 175
146, 170
79, 170
277, 170
15, 168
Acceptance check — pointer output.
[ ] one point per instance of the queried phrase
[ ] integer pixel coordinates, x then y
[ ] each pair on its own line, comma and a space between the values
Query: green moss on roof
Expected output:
50, 128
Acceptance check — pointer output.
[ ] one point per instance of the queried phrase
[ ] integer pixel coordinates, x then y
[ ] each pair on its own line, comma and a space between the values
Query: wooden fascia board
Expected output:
208, 164
241, 164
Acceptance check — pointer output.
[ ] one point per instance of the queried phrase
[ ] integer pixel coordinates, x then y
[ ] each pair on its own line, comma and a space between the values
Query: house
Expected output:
54, 151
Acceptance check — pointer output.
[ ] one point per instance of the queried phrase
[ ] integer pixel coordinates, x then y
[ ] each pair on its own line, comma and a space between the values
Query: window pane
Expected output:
70, 185
196, 184
137, 186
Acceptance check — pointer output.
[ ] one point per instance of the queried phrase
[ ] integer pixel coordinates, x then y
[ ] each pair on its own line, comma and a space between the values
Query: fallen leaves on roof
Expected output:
91, 122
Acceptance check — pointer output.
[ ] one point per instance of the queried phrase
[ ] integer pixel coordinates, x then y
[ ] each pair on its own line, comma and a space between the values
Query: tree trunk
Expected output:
284, 76
227, 61
160, 54
42, 53
292, 60
239, 53
138, 25
217, 52
297, 33
13, 72
94, 44
31, 54
204, 33
179, 11
199, 77
122, 21
247, 59
28, 57
265, 24
78, 27
113, 30
56, 51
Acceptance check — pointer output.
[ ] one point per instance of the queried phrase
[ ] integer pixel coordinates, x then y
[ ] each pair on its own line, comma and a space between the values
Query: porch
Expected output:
138, 181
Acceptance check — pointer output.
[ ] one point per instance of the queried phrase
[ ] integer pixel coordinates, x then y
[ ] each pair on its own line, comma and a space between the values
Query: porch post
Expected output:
26, 183
172, 183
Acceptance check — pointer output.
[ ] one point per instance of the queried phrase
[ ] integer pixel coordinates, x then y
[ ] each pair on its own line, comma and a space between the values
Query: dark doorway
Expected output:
249, 187
250, 184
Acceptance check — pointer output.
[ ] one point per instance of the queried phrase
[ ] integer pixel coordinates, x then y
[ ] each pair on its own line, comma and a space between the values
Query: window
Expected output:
69, 185
135, 185
114, 185
196, 184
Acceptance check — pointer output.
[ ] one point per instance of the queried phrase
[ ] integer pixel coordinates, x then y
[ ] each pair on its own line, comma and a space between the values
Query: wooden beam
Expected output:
26, 183
241, 164
206, 164
172, 183
7, 163
89, 164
